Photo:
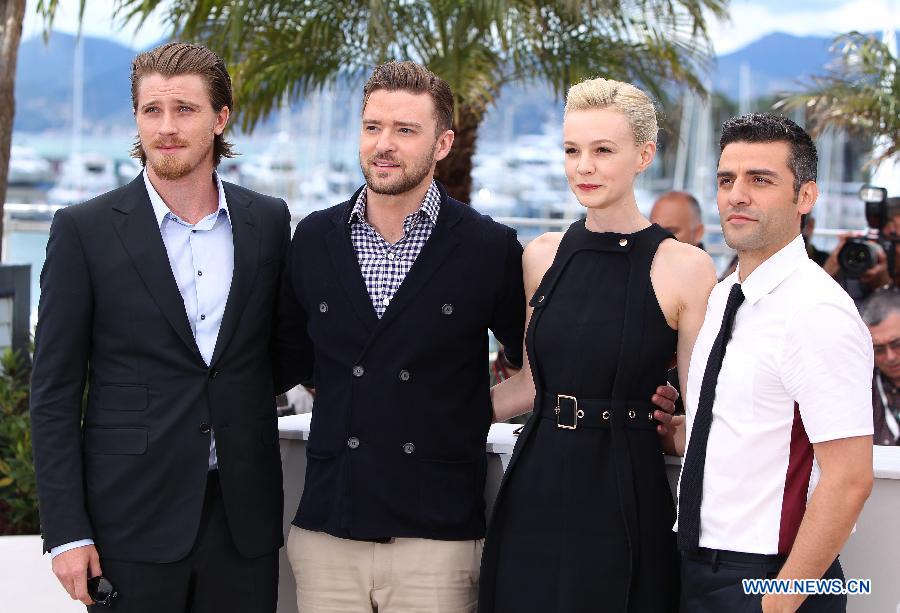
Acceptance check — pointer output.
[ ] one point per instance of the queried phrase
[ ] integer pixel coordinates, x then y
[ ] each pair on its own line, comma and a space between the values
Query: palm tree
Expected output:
12, 15
293, 47
861, 95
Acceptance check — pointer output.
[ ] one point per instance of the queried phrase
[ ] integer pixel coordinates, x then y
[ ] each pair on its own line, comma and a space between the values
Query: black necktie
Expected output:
691, 493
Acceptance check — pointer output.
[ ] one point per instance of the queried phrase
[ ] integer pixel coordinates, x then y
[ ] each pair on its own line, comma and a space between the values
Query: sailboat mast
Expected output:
77, 104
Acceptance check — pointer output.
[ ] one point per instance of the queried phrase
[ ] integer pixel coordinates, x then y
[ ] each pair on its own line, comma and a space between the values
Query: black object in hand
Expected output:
102, 591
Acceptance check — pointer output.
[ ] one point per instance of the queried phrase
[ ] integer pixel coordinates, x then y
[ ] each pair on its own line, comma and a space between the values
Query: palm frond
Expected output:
860, 94
278, 48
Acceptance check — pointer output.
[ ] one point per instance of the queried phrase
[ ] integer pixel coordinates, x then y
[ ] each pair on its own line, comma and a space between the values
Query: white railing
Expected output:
36, 218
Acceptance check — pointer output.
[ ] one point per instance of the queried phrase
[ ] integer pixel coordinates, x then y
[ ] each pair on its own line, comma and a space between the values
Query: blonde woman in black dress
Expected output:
583, 521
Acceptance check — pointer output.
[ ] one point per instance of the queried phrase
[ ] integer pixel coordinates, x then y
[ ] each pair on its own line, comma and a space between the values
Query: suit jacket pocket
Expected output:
124, 397
116, 441
447, 493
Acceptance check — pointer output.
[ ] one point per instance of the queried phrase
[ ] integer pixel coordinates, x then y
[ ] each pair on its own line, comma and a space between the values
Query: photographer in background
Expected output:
881, 313
859, 263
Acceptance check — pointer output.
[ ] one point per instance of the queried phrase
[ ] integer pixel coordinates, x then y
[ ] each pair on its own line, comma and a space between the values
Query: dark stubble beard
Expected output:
770, 229
410, 176
755, 241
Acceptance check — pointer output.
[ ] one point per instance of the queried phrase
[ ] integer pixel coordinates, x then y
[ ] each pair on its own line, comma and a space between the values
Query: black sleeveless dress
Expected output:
583, 520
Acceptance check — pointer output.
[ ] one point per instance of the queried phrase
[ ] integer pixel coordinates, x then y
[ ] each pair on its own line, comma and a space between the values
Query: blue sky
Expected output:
749, 20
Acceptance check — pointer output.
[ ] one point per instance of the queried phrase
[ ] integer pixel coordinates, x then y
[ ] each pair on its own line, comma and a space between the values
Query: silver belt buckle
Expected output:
576, 413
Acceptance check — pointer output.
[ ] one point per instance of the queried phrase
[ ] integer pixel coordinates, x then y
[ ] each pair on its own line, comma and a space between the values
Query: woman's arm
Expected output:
516, 395
683, 277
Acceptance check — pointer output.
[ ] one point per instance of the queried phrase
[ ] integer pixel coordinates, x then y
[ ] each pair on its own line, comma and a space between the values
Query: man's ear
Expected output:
443, 145
222, 120
806, 198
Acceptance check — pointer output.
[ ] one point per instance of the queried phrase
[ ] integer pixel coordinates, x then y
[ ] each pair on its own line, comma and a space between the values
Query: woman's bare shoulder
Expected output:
539, 253
538, 257
686, 261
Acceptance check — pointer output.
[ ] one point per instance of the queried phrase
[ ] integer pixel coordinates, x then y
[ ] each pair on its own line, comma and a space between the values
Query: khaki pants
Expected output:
406, 575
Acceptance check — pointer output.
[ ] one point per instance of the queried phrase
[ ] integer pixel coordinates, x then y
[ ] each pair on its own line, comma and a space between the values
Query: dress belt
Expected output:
574, 412
713, 556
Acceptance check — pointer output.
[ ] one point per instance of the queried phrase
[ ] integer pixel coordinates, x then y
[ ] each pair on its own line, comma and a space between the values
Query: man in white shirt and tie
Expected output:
779, 422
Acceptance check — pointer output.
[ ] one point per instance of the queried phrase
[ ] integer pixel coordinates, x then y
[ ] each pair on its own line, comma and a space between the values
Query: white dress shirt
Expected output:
202, 261
797, 371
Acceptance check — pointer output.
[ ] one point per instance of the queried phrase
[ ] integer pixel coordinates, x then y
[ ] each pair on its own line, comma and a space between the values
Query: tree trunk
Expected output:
12, 13
455, 171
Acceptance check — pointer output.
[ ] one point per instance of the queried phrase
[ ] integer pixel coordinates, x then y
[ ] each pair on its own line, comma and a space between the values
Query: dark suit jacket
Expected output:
132, 474
402, 407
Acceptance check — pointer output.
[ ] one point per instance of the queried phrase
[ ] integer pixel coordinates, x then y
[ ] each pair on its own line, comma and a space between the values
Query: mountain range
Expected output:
44, 80
44, 83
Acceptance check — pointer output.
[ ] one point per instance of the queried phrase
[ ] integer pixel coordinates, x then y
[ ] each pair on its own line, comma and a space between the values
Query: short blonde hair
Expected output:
632, 102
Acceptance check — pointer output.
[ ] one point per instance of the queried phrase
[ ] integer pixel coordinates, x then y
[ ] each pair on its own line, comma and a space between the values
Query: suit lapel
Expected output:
138, 230
346, 266
245, 235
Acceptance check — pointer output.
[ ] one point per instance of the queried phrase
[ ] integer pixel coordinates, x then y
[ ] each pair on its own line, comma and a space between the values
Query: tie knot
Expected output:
735, 298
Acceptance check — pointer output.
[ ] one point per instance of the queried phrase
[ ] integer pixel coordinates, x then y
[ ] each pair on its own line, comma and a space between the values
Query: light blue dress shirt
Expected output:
202, 261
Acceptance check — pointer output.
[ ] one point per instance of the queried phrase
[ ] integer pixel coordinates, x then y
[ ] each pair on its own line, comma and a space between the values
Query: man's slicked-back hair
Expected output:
770, 128
176, 59
414, 78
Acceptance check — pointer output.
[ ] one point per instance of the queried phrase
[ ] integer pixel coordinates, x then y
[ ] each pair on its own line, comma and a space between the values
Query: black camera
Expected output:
859, 254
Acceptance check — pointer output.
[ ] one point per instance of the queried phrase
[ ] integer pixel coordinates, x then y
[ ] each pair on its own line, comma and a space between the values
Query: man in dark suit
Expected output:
161, 296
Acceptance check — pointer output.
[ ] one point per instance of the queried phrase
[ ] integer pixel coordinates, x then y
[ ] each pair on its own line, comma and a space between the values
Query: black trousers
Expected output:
213, 578
711, 583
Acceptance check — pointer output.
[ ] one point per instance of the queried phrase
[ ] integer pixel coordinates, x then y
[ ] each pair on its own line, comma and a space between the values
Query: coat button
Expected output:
358, 371
408, 448
204, 428
352, 442
404, 375
623, 242
447, 309
323, 307
214, 374
540, 299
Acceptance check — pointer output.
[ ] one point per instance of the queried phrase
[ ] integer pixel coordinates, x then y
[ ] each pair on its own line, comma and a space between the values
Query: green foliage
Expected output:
278, 48
861, 94
47, 9
18, 490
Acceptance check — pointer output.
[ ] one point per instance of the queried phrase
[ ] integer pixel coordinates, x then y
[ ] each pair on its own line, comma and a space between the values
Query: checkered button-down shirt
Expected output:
384, 266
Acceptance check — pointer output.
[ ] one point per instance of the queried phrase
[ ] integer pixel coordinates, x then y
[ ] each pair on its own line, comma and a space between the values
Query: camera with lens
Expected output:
860, 254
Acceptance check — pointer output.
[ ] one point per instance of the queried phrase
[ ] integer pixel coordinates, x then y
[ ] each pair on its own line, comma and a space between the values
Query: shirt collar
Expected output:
773, 271
430, 207
160, 210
